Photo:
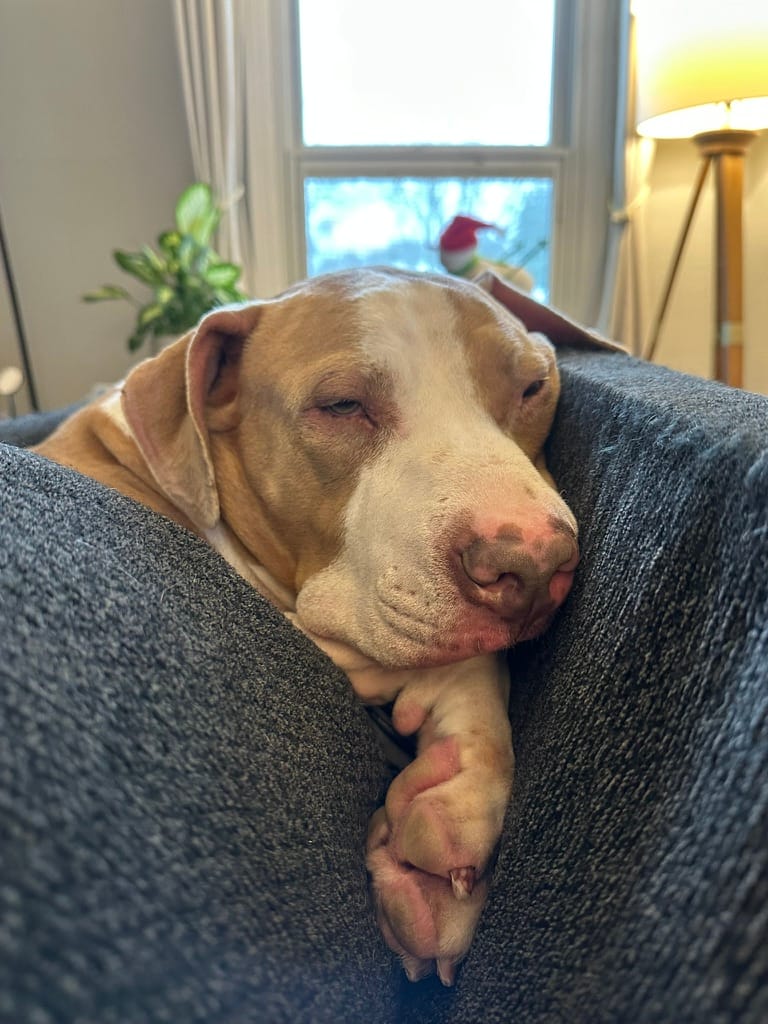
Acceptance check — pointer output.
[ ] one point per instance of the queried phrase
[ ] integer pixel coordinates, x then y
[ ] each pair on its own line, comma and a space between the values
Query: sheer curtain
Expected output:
624, 307
234, 120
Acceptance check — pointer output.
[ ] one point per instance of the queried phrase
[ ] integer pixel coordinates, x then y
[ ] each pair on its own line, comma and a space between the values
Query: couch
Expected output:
185, 781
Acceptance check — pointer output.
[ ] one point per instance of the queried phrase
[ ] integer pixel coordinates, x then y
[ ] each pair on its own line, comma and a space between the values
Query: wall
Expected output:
93, 152
686, 340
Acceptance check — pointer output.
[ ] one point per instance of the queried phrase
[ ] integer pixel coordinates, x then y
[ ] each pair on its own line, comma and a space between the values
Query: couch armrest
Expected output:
25, 431
632, 878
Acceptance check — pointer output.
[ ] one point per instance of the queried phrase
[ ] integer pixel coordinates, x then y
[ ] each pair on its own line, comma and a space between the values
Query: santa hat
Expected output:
461, 233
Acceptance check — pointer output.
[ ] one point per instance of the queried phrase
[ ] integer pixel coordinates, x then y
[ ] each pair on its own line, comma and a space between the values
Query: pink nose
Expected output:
518, 579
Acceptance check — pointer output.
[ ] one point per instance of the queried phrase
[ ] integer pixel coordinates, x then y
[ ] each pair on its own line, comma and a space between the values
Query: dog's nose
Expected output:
516, 578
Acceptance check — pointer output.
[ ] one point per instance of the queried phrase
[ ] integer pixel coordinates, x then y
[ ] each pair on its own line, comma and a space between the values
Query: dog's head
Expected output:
374, 438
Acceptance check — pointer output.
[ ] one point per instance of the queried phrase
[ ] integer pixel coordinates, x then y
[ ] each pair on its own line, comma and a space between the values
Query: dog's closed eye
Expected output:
534, 388
344, 407
351, 398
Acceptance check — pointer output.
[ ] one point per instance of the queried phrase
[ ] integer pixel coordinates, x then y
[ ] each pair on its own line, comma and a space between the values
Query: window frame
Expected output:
578, 159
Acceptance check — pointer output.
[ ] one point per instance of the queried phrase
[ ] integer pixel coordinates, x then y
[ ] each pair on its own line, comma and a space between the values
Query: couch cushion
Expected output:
632, 881
185, 781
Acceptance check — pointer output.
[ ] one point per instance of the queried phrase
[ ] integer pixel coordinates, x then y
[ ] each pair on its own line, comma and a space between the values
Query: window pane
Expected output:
355, 222
430, 72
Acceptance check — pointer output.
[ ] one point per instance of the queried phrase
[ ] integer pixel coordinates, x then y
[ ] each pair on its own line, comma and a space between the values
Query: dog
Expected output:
366, 450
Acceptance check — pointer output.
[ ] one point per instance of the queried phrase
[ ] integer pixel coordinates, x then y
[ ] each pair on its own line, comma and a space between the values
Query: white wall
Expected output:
93, 152
686, 342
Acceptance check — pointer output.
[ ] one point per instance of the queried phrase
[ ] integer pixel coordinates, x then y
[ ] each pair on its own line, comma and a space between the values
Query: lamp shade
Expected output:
700, 67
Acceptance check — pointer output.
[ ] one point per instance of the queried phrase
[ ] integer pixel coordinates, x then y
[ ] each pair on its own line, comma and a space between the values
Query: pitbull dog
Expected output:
366, 450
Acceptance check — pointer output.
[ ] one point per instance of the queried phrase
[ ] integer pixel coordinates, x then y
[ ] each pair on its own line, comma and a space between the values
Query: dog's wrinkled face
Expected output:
417, 523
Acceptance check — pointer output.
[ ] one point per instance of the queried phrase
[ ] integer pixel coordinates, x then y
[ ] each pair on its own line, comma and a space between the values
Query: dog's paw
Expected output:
428, 853
446, 809
431, 845
419, 914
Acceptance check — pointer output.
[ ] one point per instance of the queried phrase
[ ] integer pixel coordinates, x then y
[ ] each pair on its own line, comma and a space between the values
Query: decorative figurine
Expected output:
459, 256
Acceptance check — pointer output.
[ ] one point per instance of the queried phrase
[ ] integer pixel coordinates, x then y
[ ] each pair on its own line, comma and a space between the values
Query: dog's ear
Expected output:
535, 316
173, 401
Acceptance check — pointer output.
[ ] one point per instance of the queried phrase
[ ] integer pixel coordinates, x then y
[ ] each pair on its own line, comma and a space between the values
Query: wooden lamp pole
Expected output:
724, 150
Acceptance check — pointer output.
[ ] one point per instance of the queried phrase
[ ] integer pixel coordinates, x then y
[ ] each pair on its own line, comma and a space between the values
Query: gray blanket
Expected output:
185, 781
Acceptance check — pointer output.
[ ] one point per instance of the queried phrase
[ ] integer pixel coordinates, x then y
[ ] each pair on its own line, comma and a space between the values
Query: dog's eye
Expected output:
534, 388
344, 407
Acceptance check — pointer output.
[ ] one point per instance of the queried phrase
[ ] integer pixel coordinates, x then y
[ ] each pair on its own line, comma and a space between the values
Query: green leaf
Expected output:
169, 242
187, 251
148, 314
106, 292
154, 261
164, 295
226, 296
207, 226
138, 265
203, 256
196, 213
136, 340
222, 275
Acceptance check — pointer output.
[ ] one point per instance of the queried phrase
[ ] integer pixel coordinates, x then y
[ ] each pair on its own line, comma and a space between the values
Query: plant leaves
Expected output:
149, 314
196, 213
169, 242
186, 275
207, 226
224, 296
138, 265
136, 340
202, 258
106, 292
187, 251
164, 294
153, 260
222, 275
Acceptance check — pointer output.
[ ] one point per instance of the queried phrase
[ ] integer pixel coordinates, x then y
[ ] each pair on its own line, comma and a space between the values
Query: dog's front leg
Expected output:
430, 846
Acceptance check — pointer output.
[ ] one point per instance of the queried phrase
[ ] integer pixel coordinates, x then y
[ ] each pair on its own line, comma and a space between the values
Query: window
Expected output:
359, 221
411, 72
407, 113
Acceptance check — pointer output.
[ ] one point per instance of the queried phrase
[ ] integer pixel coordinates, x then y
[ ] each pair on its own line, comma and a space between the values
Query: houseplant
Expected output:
185, 275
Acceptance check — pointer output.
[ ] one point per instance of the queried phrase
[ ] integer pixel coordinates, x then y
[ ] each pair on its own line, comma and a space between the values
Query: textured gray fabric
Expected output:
632, 884
184, 781
25, 431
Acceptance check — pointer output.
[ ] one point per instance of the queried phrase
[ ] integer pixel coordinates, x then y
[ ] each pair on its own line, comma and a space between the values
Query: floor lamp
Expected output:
21, 337
702, 73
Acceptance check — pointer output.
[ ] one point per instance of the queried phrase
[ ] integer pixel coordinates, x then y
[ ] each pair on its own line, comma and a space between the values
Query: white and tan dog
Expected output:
366, 450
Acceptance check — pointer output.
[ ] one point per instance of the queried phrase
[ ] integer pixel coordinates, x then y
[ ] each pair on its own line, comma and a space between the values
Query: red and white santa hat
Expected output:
461, 233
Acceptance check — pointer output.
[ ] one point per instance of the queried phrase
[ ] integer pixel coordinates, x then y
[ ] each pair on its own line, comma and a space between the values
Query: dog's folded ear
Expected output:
535, 316
172, 402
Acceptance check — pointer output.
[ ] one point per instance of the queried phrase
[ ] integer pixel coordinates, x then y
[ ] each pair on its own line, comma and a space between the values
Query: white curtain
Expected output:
624, 307
227, 66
